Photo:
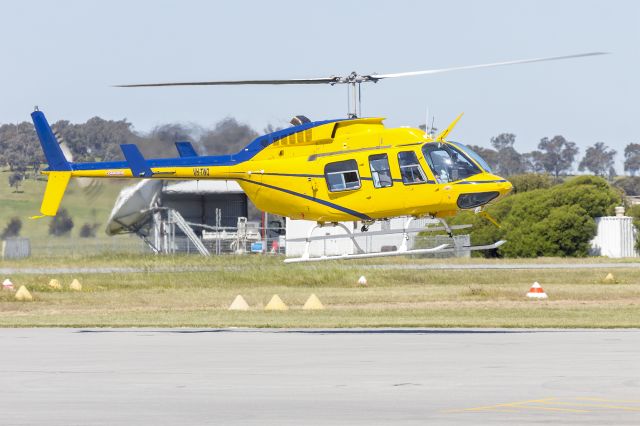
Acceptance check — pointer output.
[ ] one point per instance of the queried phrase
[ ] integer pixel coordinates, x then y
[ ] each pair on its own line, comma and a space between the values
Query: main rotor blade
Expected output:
470, 67
322, 80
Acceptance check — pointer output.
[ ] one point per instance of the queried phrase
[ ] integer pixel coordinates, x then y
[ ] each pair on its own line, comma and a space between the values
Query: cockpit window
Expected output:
410, 169
448, 163
474, 155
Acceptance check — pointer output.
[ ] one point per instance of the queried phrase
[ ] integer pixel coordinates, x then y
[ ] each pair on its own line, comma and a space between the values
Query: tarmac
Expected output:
360, 376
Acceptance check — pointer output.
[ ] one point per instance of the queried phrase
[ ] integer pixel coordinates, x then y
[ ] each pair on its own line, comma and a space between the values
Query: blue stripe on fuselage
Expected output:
353, 213
247, 152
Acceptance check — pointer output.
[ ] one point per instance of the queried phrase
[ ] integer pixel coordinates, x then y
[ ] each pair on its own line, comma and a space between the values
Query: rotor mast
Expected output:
354, 92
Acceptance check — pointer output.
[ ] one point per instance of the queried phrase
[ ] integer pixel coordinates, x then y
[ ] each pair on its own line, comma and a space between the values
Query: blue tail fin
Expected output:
52, 152
135, 160
185, 149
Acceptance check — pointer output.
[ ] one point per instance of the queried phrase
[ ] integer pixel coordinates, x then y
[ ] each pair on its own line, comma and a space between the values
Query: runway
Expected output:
345, 265
363, 377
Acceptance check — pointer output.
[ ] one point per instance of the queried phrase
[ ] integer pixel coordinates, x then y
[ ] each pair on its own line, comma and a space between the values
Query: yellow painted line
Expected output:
618, 401
570, 410
503, 410
515, 405
583, 404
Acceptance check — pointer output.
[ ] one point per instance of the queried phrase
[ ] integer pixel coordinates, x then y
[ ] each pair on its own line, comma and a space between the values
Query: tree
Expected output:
556, 155
502, 141
532, 162
15, 179
88, 230
489, 155
228, 137
632, 158
630, 185
598, 159
506, 160
61, 224
97, 139
12, 229
160, 141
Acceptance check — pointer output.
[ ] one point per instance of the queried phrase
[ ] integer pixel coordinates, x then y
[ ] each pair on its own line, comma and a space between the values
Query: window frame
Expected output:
386, 157
417, 163
448, 149
342, 172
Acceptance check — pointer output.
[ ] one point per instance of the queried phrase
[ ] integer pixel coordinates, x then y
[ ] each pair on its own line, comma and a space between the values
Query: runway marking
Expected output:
571, 410
511, 406
619, 401
569, 405
583, 404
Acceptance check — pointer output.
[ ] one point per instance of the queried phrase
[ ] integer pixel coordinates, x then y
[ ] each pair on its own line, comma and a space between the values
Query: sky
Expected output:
64, 56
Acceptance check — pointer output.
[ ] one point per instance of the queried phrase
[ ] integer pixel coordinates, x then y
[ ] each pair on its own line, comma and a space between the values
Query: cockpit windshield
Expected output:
473, 155
448, 163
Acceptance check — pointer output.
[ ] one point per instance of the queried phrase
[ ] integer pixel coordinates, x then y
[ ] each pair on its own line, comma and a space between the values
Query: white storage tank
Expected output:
615, 237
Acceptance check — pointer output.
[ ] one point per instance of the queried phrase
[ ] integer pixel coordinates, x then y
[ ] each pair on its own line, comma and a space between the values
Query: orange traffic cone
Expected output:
536, 291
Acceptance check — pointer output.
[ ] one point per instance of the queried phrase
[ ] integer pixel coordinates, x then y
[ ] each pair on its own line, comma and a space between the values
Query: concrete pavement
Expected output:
364, 377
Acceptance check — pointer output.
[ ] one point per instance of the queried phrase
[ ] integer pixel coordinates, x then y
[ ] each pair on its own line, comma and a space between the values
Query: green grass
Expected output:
82, 207
194, 291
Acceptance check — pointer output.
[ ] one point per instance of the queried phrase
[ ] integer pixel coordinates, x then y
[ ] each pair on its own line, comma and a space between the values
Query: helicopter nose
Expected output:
507, 187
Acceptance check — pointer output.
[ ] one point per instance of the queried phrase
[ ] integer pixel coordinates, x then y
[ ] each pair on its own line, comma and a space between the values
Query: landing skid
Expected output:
402, 250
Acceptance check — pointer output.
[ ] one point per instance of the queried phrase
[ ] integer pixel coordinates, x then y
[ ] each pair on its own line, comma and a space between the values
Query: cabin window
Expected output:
410, 169
342, 176
380, 171
448, 163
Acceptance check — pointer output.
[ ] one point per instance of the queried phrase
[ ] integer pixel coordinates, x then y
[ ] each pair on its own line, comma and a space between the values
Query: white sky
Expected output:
64, 55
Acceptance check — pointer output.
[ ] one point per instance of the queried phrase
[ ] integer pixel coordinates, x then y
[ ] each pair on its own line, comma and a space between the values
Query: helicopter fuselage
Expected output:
330, 171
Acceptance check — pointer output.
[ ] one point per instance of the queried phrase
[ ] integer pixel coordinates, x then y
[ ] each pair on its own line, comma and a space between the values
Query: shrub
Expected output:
88, 230
61, 224
530, 181
634, 212
555, 221
12, 229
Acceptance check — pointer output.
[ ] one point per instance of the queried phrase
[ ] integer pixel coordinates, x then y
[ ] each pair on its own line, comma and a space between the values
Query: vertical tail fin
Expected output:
59, 168
52, 151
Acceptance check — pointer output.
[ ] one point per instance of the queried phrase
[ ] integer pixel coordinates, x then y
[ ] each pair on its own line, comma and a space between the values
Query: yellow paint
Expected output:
55, 284
276, 304
239, 304
288, 178
507, 405
490, 218
595, 405
313, 303
54, 192
441, 137
554, 404
75, 285
23, 294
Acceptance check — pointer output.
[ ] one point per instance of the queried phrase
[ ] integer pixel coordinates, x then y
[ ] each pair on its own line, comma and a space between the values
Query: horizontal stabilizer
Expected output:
185, 149
135, 161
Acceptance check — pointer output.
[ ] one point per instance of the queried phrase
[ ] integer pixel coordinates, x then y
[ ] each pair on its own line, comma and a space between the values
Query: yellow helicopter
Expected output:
330, 171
